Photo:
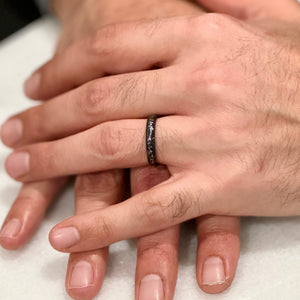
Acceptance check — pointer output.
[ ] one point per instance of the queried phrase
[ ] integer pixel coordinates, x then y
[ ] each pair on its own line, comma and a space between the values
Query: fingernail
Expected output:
11, 131
11, 228
65, 237
82, 275
17, 164
213, 271
32, 83
151, 288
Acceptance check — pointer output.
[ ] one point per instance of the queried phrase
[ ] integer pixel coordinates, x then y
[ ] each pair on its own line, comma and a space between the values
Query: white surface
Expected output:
269, 267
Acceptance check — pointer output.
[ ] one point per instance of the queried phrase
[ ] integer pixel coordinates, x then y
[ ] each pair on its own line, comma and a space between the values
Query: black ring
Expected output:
150, 140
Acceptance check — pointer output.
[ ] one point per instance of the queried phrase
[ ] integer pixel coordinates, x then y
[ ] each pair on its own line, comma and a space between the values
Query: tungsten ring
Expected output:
150, 140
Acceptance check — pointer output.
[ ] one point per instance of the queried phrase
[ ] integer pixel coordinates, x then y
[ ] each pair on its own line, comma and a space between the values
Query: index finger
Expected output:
114, 49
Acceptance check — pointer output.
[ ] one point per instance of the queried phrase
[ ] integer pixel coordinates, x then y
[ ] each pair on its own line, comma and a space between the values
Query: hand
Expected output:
233, 140
214, 232
164, 252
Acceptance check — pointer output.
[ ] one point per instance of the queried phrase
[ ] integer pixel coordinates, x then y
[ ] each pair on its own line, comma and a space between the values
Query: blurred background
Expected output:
15, 14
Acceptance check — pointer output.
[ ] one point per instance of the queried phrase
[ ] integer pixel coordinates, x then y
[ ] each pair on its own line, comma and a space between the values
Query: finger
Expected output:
157, 261
163, 206
218, 252
111, 145
287, 10
114, 49
157, 265
27, 212
118, 97
86, 270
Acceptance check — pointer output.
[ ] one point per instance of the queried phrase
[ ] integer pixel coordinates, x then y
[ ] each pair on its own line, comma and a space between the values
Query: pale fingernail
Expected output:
213, 271
151, 288
82, 275
32, 83
11, 131
17, 164
11, 228
65, 237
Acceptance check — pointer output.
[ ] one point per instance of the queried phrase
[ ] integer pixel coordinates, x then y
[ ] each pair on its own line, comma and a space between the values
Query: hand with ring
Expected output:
220, 136
157, 253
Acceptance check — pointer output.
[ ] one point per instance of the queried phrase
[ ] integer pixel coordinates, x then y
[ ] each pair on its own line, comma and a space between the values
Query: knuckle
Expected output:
110, 140
104, 229
98, 183
218, 236
148, 177
174, 209
216, 22
210, 21
114, 141
101, 43
212, 78
216, 78
95, 98
152, 27
179, 205
155, 250
213, 27
151, 208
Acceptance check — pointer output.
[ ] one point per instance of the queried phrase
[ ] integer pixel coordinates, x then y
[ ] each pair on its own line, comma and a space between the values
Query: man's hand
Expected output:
218, 237
233, 140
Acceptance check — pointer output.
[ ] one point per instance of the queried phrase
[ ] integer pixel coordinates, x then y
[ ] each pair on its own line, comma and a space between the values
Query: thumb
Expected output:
287, 10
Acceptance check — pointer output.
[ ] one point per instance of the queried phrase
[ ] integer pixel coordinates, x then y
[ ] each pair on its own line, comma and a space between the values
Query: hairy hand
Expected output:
228, 92
157, 253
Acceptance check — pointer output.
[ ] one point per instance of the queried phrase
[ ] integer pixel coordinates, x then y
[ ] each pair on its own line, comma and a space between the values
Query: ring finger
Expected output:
111, 145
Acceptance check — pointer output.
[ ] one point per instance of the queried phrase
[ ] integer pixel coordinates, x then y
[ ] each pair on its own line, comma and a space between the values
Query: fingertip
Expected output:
50, 237
11, 131
212, 278
85, 273
10, 236
216, 289
63, 238
10, 243
217, 260
80, 284
31, 85
81, 294
17, 164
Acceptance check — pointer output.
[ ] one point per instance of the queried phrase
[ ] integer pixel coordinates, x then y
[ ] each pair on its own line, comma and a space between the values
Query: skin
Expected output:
217, 235
249, 156
201, 236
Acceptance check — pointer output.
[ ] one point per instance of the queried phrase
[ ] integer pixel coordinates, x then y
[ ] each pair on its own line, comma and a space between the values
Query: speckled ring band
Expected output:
150, 140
